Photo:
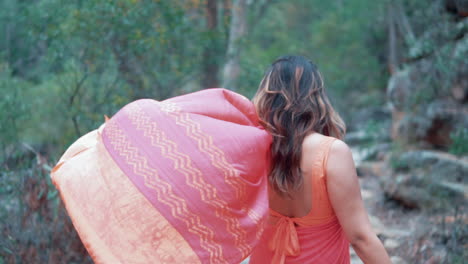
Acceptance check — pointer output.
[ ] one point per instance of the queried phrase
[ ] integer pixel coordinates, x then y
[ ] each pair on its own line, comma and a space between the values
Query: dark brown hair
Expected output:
291, 103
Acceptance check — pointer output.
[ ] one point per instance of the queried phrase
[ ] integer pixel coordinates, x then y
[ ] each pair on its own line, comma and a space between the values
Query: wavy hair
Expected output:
291, 103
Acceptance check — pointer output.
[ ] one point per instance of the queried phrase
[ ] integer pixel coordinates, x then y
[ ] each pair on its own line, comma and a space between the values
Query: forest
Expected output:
395, 70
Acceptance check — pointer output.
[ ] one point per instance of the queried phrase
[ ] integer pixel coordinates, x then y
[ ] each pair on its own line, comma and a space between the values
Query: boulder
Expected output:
438, 164
414, 192
425, 109
431, 123
427, 179
408, 190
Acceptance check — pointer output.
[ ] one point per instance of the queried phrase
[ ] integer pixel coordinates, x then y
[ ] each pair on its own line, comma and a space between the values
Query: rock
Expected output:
408, 190
419, 113
365, 169
377, 225
399, 88
391, 244
415, 191
366, 194
458, 188
397, 260
368, 168
436, 163
396, 233
426, 179
369, 126
459, 91
430, 122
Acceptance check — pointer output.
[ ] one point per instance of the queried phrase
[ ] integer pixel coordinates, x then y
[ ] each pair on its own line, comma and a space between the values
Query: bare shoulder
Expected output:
340, 160
310, 146
311, 141
339, 148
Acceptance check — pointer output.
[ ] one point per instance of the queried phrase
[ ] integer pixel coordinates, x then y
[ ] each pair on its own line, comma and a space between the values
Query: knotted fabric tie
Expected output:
285, 241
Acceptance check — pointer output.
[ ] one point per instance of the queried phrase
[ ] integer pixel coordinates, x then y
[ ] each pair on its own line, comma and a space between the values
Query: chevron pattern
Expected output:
163, 190
258, 219
205, 145
193, 176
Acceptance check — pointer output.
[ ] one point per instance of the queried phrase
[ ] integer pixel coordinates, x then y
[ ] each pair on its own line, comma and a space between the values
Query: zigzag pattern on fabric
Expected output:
163, 190
193, 176
205, 144
258, 219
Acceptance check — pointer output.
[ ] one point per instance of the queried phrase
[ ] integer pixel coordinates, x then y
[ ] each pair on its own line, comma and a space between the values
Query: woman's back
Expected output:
303, 227
315, 208
313, 190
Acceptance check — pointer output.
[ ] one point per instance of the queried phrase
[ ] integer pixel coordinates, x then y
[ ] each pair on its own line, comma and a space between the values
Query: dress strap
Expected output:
326, 151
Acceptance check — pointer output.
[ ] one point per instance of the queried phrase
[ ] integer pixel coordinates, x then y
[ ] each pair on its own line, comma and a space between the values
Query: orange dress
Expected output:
314, 238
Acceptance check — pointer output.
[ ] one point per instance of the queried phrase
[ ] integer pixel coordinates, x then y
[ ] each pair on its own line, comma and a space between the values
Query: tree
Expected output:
237, 31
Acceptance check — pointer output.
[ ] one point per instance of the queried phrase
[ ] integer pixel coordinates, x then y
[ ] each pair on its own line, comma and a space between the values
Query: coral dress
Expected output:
314, 238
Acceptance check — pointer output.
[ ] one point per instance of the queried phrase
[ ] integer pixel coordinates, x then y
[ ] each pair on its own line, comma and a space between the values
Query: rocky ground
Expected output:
411, 235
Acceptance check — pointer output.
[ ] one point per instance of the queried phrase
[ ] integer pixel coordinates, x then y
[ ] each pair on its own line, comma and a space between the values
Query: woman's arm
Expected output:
345, 197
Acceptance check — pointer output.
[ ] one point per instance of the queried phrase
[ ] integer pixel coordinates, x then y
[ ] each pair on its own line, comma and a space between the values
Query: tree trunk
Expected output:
403, 23
237, 31
226, 20
210, 65
392, 40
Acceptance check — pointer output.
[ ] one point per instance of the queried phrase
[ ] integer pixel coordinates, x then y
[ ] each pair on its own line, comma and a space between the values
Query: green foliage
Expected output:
35, 229
64, 65
340, 37
459, 144
154, 46
15, 111
437, 52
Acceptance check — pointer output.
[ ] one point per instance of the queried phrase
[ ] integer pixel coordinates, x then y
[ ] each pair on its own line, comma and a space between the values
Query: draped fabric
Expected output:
315, 238
178, 181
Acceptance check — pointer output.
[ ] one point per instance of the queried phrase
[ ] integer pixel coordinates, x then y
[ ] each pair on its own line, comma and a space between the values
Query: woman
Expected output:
316, 208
